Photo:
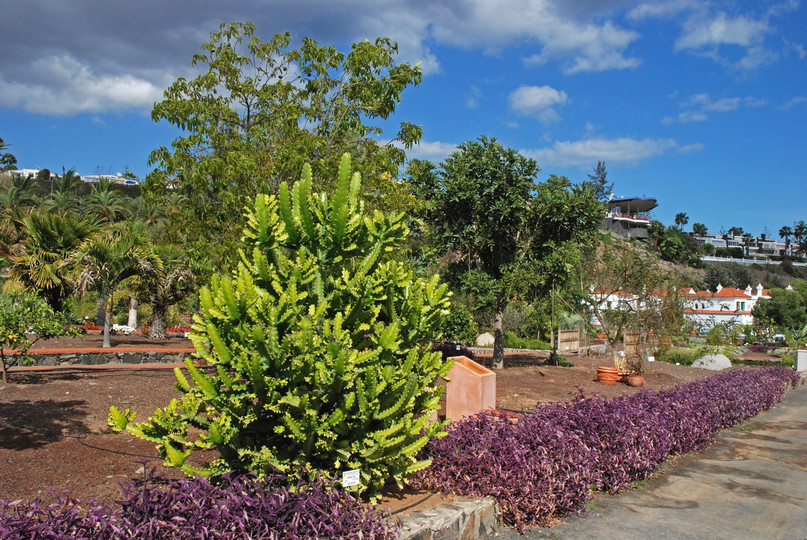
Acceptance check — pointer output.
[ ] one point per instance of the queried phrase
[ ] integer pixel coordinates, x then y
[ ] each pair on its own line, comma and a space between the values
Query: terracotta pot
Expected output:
636, 380
607, 375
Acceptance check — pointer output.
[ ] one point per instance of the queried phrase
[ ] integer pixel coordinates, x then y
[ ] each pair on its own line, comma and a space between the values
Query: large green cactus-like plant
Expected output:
320, 342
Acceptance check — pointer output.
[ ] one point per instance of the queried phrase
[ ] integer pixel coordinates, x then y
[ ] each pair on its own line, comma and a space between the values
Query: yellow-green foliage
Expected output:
320, 342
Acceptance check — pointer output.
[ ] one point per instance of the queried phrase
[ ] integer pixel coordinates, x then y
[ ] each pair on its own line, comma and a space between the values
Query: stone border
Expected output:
96, 358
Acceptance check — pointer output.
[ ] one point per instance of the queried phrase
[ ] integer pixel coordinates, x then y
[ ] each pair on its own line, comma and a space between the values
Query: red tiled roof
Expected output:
716, 312
731, 292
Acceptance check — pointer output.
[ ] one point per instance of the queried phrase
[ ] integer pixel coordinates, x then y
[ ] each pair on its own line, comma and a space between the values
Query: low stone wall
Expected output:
100, 358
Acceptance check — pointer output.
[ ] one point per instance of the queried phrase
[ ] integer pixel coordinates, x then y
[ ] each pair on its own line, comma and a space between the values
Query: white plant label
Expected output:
351, 478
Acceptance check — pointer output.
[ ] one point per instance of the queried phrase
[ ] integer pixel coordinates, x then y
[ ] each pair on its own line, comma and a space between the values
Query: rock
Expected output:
596, 350
714, 362
485, 340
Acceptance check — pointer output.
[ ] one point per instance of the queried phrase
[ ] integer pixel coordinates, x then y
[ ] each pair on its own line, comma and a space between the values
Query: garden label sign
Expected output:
350, 478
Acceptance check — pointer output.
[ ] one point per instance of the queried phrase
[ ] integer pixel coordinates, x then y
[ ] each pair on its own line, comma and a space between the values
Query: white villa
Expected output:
726, 305
706, 309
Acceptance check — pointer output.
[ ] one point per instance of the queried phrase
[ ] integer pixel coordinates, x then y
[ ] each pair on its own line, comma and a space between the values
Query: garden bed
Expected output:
54, 435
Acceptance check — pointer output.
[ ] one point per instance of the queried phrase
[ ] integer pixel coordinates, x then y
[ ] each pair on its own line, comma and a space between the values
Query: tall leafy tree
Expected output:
260, 109
599, 180
623, 287
488, 211
7, 159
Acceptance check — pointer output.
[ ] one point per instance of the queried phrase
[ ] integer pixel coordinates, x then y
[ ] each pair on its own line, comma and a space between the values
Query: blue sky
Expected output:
701, 104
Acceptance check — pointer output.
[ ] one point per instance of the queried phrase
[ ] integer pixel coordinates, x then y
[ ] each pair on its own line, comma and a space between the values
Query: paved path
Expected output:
751, 484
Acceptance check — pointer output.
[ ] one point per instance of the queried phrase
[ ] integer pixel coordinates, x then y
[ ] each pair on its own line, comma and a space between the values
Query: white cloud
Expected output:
472, 97
624, 151
699, 105
660, 10
577, 45
686, 117
432, 150
538, 101
796, 101
721, 30
74, 88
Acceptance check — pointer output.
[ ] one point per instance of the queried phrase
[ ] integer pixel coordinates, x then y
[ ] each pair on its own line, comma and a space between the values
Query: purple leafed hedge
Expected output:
547, 464
237, 507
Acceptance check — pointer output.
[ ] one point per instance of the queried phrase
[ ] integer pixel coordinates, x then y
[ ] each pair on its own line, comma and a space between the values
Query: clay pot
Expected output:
607, 375
636, 380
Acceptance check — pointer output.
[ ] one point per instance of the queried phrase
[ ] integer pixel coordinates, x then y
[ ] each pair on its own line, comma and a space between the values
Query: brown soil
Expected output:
54, 434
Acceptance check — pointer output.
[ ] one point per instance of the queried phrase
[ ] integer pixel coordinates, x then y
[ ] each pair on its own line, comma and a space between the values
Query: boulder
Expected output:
485, 340
714, 362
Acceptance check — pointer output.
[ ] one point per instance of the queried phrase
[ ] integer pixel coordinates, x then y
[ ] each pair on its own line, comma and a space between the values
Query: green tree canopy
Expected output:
785, 309
262, 109
488, 212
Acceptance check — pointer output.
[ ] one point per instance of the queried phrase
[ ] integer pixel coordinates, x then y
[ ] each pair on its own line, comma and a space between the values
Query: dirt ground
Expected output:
54, 434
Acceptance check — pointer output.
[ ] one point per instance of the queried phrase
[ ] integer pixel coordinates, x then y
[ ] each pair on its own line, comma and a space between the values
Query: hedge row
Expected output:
547, 464
238, 507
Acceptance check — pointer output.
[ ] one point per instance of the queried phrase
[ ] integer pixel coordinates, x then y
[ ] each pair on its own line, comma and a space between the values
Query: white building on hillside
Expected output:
725, 306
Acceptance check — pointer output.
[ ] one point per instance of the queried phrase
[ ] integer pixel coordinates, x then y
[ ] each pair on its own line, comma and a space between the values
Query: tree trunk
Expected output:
498, 339
100, 309
157, 322
132, 313
108, 323
3, 362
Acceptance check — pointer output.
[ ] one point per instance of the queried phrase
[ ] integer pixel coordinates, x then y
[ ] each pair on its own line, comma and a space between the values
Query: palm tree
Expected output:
151, 214
41, 261
681, 219
109, 259
786, 232
699, 229
799, 233
68, 182
747, 242
736, 231
19, 193
62, 201
107, 205
164, 286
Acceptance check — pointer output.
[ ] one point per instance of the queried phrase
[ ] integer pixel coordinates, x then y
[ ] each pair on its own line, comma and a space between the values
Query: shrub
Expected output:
685, 357
459, 326
320, 342
237, 507
513, 341
547, 464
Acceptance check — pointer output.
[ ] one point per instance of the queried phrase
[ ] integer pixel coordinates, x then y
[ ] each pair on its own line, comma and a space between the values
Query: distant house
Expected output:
706, 309
629, 216
756, 246
726, 305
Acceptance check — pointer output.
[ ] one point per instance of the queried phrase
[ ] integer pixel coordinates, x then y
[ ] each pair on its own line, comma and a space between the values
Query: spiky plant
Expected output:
319, 341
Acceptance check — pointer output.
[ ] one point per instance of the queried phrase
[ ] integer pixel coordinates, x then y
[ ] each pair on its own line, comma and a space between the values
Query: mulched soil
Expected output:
54, 434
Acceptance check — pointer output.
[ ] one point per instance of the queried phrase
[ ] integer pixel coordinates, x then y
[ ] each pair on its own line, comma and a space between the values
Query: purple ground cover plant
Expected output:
235, 507
550, 463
